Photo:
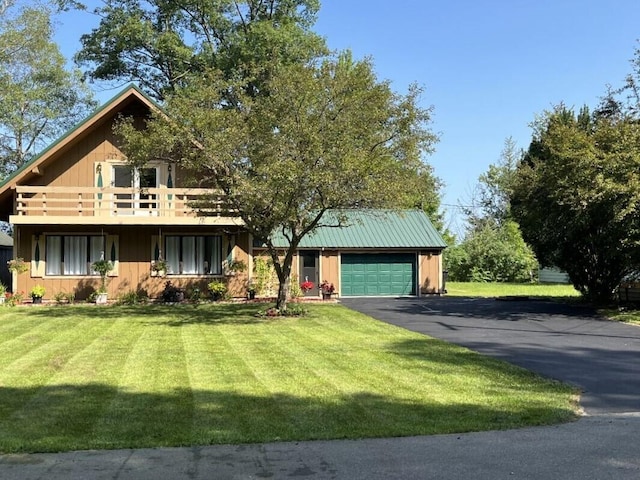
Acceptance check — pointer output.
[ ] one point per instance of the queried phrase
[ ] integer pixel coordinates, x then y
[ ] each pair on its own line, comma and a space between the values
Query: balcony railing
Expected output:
118, 202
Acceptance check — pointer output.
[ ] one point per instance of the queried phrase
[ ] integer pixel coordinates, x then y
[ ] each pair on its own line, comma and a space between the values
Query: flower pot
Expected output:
36, 300
101, 299
326, 296
251, 295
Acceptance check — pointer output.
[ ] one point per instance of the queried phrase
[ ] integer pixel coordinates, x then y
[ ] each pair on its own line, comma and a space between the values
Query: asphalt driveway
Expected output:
568, 343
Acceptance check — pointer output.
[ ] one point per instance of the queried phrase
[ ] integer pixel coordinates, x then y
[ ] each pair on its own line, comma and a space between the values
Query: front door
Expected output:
138, 201
309, 271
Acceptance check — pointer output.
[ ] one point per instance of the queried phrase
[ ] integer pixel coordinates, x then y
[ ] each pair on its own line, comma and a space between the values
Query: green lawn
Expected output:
551, 291
627, 315
85, 377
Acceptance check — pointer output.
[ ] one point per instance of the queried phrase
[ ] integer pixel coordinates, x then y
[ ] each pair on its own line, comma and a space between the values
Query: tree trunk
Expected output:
284, 276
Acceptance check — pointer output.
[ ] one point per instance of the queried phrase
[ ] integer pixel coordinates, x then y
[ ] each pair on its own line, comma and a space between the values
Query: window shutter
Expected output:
156, 250
37, 256
113, 254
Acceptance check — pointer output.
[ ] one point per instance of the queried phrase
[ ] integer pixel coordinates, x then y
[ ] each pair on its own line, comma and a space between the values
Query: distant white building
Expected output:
552, 275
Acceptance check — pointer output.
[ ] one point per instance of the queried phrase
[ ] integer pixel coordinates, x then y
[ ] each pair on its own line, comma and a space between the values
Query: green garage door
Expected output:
374, 274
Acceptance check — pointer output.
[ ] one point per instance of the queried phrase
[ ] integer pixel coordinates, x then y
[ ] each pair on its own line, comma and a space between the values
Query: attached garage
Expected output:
371, 253
378, 274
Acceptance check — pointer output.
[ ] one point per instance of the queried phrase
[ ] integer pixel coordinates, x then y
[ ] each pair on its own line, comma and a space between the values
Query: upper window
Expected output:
138, 202
193, 254
72, 254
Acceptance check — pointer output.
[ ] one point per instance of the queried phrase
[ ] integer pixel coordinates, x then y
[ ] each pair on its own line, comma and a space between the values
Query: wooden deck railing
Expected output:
111, 201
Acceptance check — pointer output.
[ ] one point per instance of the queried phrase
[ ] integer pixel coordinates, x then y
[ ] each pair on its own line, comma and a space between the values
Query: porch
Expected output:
48, 205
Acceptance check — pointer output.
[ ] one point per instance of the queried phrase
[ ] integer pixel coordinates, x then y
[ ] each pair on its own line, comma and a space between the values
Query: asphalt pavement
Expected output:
568, 343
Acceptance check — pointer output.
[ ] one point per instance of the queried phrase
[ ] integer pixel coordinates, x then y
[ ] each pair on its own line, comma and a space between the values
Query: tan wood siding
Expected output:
430, 268
133, 246
330, 268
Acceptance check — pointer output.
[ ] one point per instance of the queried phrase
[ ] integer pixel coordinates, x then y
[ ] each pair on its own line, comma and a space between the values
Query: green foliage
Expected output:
495, 186
493, 249
194, 294
102, 267
295, 289
64, 297
321, 135
492, 253
37, 291
158, 44
577, 197
218, 289
18, 265
263, 275
132, 297
15, 299
40, 99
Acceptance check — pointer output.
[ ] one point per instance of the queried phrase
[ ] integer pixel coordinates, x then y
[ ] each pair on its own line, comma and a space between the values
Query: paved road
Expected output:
566, 343
595, 448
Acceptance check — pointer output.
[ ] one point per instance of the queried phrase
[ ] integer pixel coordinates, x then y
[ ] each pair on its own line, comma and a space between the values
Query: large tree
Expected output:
577, 197
40, 98
321, 135
159, 43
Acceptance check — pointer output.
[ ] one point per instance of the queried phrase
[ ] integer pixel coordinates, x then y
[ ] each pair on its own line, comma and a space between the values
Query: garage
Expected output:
370, 253
378, 274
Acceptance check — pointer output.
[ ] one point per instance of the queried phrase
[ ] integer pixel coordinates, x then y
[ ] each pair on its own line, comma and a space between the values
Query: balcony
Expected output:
110, 205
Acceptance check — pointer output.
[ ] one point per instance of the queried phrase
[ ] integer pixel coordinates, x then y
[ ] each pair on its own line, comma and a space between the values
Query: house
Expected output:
553, 275
79, 201
6, 254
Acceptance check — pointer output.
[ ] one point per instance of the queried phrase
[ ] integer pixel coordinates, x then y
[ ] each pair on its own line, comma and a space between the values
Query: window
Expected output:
193, 255
72, 254
139, 179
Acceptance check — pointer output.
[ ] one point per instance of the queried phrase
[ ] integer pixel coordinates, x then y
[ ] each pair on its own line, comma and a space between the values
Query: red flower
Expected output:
306, 286
327, 287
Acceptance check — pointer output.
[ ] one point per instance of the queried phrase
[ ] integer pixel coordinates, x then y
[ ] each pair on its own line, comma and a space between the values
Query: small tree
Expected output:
325, 135
102, 267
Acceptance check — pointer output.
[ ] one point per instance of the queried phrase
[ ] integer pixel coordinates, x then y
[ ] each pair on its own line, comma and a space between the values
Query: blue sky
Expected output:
488, 67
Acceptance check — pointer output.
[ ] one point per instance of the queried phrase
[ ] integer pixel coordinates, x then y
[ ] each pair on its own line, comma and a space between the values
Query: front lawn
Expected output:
85, 377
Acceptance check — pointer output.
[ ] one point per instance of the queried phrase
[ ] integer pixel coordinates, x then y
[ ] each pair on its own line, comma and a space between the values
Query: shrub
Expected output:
194, 294
15, 299
132, 298
218, 289
171, 293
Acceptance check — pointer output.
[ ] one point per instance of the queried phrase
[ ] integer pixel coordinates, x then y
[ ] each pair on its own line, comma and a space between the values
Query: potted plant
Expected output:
251, 292
18, 265
233, 267
159, 267
306, 286
37, 292
218, 290
327, 289
102, 267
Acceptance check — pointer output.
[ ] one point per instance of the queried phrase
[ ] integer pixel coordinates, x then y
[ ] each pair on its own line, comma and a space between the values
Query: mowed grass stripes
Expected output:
84, 377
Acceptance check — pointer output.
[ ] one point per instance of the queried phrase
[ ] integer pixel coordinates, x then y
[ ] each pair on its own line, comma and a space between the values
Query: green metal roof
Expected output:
372, 229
